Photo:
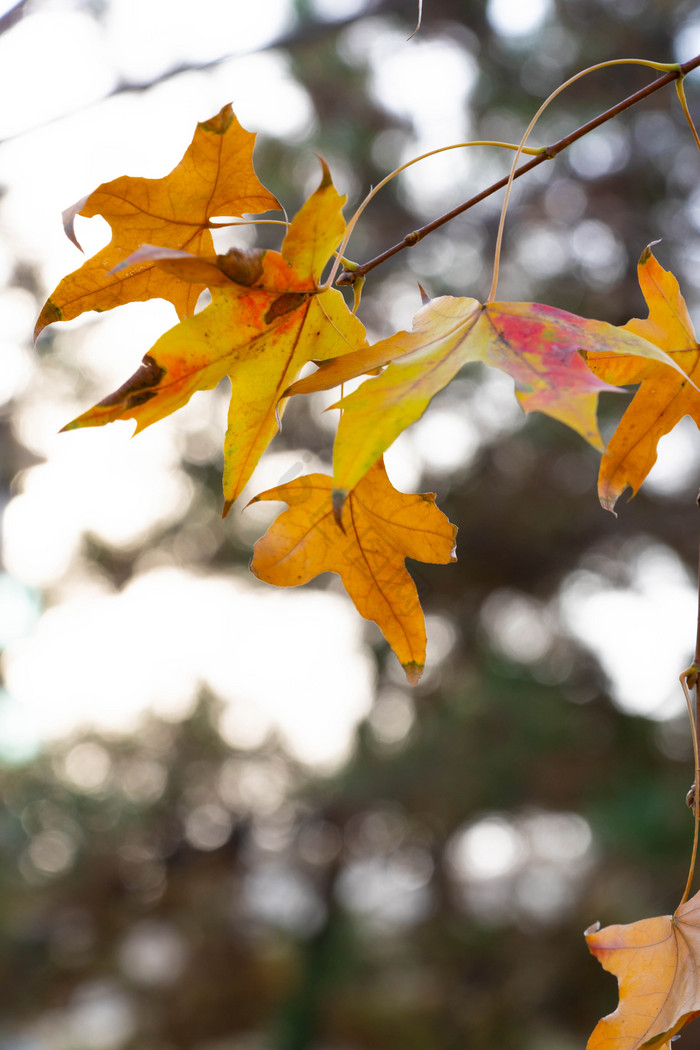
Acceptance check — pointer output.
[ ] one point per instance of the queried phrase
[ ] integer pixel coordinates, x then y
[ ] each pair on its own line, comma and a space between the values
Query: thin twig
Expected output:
696, 658
15, 14
348, 277
688, 679
340, 254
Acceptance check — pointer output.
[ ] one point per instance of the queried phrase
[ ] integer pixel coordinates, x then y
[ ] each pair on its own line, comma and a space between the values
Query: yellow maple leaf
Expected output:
268, 318
215, 177
656, 962
664, 397
539, 346
380, 528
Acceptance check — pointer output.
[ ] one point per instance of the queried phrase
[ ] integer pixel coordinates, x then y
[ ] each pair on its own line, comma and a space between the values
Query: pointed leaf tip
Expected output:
227, 507
326, 179
608, 503
50, 313
413, 672
647, 253
219, 124
424, 297
68, 218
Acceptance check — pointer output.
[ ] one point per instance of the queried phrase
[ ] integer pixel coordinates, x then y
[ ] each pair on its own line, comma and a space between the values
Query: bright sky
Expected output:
285, 660
95, 656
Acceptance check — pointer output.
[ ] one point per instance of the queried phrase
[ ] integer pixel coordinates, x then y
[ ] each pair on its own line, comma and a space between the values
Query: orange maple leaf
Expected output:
657, 963
381, 527
268, 318
539, 346
664, 397
215, 177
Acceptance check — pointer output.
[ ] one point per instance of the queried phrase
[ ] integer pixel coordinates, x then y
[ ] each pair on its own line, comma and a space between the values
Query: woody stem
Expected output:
348, 277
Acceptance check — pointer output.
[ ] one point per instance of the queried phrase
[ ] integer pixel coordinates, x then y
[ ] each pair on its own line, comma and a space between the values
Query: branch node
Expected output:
346, 278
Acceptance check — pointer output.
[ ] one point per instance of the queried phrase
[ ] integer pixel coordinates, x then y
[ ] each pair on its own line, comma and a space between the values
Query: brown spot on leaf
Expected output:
241, 265
338, 497
140, 399
137, 389
284, 305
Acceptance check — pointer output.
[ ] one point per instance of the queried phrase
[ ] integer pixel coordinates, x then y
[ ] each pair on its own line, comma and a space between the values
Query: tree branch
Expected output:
348, 277
15, 14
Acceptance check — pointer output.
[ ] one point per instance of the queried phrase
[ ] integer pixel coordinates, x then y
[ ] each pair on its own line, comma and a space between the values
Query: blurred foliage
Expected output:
169, 891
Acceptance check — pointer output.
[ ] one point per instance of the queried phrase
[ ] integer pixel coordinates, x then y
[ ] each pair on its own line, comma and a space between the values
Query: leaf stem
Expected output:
420, 19
345, 277
689, 680
562, 87
246, 222
680, 90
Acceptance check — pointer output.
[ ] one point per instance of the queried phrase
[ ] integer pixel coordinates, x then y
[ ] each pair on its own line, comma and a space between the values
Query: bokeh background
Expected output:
227, 823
